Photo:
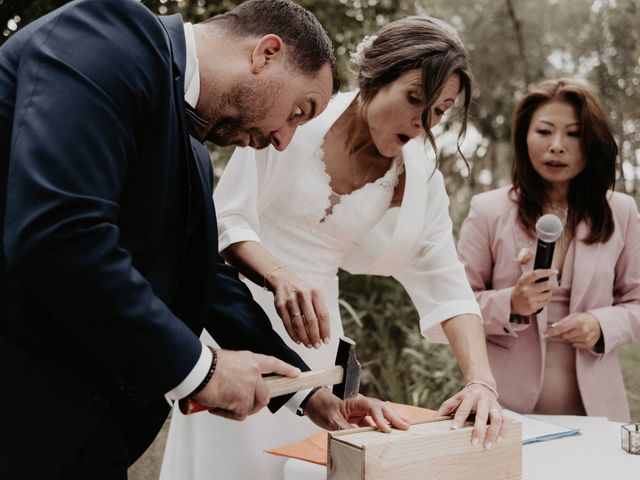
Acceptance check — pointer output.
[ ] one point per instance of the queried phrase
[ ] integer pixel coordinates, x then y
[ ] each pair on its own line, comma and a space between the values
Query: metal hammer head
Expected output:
346, 358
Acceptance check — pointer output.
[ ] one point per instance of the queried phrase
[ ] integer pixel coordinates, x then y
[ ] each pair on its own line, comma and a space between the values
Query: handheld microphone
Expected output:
548, 228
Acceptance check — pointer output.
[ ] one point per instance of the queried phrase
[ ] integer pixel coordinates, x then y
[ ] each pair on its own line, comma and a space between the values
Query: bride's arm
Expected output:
300, 306
250, 178
435, 280
466, 338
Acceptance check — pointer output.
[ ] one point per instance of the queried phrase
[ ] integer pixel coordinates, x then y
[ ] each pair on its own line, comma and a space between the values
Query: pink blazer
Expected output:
606, 283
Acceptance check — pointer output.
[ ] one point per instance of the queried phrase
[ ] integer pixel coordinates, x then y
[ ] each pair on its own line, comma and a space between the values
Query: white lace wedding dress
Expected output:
310, 228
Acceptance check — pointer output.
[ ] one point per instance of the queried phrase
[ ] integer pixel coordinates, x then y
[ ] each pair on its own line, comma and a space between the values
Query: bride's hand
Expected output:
301, 307
489, 420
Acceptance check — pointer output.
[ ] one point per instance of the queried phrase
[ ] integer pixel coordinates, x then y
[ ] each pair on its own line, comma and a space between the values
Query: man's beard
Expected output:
227, 130
252, 100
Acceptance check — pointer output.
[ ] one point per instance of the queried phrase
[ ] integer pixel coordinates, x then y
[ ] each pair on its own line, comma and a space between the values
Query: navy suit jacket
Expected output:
108, 265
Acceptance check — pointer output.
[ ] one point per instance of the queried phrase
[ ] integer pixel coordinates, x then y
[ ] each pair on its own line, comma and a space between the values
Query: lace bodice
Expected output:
311, 228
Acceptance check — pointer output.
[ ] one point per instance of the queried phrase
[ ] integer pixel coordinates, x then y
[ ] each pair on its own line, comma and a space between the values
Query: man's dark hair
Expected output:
309, 43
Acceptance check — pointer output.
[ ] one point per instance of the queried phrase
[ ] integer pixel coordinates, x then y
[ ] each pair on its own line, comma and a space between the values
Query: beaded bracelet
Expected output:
484, 384
300, 409
212, 369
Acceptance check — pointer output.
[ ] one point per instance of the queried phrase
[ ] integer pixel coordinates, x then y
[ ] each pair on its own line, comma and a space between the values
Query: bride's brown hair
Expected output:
424, 43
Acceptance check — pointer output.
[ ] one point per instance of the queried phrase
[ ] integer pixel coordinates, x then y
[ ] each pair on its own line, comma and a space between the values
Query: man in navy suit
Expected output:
108, 267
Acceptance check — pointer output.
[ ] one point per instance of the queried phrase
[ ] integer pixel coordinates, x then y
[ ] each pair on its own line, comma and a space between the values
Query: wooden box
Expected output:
429, 450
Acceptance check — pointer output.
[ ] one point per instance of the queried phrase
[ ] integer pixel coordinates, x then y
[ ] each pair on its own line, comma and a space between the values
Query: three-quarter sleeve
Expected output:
433, 276
236, 197
475, 252
620, 322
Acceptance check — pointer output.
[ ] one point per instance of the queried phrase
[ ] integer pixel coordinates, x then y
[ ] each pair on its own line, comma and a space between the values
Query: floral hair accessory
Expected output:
358, 56
524, 255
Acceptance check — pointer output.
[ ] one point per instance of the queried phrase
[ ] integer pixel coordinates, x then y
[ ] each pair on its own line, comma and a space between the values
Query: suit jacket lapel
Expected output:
205, 173
195, 154
522, 240
174, 28
584, 266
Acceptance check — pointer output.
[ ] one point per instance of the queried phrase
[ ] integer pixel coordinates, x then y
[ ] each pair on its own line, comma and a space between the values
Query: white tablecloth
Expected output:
594, 455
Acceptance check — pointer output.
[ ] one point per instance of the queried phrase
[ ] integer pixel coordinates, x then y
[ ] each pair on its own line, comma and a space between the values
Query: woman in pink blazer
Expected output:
562, 360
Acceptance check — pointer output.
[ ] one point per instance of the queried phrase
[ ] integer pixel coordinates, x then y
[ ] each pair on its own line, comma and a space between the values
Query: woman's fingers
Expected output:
292, 318
463, 412
489, 422
300, 329
539, 274
495, 427
287, 321
529, 295
480, 424
309, 317
324, 321
303, 313
504, 425
449, 406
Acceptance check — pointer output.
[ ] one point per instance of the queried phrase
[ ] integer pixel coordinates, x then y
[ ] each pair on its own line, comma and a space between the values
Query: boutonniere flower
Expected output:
524, 255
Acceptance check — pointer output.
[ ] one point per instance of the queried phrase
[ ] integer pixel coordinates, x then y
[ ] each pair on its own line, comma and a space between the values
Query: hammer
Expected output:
345, 378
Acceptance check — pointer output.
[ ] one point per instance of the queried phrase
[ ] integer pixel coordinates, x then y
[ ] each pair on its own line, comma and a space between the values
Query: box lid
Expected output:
363, 437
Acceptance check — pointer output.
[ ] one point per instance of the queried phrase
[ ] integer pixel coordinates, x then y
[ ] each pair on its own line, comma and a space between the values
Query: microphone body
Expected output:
544, 256
549, 228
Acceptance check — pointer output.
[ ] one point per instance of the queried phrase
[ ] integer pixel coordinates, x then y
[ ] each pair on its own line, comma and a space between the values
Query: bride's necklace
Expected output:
359, 180
359, 149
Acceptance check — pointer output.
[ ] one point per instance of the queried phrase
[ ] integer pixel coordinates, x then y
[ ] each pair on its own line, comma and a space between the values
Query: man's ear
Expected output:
269, 49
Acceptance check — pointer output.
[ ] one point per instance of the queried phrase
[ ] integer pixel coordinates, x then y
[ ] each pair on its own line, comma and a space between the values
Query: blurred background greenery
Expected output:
513, 43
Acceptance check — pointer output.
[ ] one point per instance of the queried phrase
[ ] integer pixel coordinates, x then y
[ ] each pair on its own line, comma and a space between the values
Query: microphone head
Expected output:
549, 228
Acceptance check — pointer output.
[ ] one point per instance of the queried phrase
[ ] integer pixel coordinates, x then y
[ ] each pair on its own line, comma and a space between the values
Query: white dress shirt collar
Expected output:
192, 69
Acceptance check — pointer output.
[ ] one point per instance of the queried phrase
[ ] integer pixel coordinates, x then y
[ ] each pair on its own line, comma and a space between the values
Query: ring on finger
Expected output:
296, 315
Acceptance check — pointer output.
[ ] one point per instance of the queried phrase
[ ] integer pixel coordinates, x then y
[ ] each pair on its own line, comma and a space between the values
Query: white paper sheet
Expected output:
534, 430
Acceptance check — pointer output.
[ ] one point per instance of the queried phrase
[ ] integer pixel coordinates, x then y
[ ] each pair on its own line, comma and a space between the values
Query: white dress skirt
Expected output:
310, 229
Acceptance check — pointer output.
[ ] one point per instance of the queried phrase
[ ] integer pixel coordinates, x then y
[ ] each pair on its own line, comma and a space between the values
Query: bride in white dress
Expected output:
352, 191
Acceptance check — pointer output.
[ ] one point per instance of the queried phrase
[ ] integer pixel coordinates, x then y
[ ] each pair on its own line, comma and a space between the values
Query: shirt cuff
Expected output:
295, 401
193, 379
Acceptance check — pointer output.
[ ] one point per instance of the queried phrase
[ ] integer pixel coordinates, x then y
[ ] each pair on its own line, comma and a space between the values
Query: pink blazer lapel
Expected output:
522, 243
584, 266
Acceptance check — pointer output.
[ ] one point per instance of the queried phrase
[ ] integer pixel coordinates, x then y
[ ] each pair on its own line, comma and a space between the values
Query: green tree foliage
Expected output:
398, 363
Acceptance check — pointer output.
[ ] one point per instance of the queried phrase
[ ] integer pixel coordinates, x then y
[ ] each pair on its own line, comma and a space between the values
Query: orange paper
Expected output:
314, 448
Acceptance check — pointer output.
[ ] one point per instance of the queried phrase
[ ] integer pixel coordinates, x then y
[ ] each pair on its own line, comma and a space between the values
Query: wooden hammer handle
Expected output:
281, 385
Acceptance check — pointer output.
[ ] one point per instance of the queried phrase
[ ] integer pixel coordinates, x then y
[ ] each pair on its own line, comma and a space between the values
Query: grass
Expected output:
398, 364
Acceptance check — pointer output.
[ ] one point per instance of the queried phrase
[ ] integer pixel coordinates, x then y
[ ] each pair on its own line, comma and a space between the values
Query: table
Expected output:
594, 455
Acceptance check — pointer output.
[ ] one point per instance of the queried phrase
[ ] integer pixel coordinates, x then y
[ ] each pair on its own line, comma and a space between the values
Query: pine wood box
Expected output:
428, 451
